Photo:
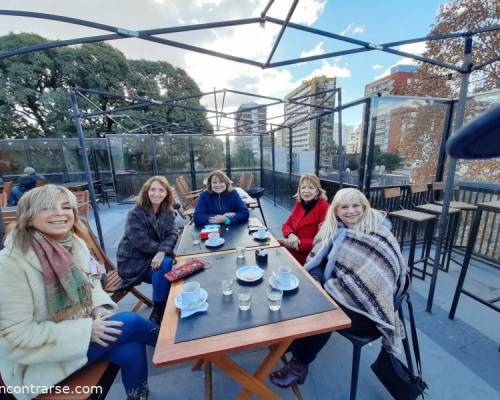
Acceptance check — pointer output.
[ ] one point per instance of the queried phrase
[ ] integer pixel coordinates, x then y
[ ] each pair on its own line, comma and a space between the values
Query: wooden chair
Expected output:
249, 183
8, 217
241, 181
185, 209
113, 284
191, 197
40, 182
7, 187
83, 201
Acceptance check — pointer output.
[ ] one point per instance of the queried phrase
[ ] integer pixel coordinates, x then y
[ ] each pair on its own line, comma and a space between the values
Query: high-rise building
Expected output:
387, 134
316, 91
250, 119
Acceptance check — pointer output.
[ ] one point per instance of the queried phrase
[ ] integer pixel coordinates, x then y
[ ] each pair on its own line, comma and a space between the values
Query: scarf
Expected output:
67, 290
309, 205
365, 272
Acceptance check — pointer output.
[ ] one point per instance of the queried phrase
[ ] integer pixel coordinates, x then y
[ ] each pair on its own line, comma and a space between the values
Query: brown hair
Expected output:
143, 197
222, 177
314, 180
35, 201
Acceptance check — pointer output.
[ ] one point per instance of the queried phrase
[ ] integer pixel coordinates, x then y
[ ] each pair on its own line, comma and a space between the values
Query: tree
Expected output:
390, 160
34, 100
460, 16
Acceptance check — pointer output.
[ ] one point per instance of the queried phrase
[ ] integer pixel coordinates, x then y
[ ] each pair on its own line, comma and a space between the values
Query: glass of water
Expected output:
240, 253
227, 287
244, 300
274, 297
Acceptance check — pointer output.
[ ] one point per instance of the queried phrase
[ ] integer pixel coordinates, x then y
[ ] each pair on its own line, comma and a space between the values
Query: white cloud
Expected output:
401, 61
307, 11
377, 66
352, 29
413, 48
318, 49
329, 70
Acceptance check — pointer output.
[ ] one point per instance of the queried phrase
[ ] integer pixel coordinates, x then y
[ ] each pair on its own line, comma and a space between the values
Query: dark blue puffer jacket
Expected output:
210, 204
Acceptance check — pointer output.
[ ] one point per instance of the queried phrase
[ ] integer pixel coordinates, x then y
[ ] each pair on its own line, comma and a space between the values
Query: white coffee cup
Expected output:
261, 232
213, 237
190, 293
284, 276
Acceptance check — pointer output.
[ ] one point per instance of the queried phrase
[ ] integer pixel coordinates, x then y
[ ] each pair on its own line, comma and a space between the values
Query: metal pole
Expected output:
79, 131
364, 141
452, 164
371, 147
273, 165
317, 152
290, 155
341, 144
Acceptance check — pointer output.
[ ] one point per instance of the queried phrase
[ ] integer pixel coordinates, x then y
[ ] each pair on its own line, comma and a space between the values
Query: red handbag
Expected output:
184, 270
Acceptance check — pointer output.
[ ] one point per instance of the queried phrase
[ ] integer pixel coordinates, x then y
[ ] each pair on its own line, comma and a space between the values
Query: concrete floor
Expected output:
460, 357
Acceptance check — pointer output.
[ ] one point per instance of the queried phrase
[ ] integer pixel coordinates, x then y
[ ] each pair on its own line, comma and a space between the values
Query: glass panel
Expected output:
45, 156
484, 171
408, 136
304, 144
281, 150
73, 155
101, 154
352, 134
172, 153
209, 152
131, 153
13, 158
244, 151
267, 156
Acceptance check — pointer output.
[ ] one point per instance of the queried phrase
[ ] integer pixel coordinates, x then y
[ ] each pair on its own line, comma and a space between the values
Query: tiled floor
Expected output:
460, 358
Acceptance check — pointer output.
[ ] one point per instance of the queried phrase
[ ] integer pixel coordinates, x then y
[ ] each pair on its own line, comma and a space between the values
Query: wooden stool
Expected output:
415, 219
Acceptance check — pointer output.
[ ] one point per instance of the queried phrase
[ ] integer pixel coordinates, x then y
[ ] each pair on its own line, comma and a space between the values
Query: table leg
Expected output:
265, 368
197, 365
208, 380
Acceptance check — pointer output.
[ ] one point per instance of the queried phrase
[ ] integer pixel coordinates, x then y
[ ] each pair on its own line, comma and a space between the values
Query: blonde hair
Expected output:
313, 180
143, 196
35, 201
370, 219
222, 177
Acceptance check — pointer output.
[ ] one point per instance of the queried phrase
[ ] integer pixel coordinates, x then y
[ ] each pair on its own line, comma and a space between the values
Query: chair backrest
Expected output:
182, 185
392, 199
241, 181
438, 187
82, 199
418, 194
7, 187
249, 183
8, 217
96, 249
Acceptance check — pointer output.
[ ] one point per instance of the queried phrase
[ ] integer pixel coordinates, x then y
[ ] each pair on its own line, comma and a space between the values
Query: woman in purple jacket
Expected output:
219, 203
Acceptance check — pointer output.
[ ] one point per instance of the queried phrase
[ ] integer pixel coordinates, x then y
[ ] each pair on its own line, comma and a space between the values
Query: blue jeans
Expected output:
161, 285
129, 350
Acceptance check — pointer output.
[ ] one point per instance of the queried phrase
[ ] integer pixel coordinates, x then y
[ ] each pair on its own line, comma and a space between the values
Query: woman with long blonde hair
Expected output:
358, 262
55, 316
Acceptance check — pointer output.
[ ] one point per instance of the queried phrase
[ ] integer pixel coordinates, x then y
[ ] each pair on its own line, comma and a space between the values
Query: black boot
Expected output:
157, 312
292, 372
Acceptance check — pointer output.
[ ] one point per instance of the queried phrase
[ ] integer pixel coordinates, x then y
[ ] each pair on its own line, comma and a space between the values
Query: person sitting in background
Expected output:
146, 250
307, 215
357, 260
219, 203
55, 318
25, 182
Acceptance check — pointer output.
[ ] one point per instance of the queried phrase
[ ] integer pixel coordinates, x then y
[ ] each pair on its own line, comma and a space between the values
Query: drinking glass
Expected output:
244, 300
227, 287
274, 297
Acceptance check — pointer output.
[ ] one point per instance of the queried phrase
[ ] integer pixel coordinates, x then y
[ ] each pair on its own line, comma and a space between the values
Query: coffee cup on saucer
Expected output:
261, 232
213, 238
190, 293
284, 276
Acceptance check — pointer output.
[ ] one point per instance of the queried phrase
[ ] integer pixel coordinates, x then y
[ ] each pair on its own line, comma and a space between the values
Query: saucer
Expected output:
192, 306
217, 244
249, 273
293, 285
201, 308
257, 237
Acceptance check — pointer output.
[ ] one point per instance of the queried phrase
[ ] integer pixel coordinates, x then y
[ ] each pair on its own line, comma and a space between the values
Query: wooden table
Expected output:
235, 235
249, 202
277, 337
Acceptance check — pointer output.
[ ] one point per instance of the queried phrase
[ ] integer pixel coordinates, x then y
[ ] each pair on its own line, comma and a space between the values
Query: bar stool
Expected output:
451, 228
415, 219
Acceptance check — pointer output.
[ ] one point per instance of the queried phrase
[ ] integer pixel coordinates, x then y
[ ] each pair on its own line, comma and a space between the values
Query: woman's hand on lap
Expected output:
217, 219
157, 260
103, 331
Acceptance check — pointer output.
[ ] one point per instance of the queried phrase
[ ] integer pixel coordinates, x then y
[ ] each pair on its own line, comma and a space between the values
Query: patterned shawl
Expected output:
365, 272
67, 289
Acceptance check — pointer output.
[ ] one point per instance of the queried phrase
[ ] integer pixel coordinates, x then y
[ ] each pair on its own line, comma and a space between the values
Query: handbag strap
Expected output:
416, 348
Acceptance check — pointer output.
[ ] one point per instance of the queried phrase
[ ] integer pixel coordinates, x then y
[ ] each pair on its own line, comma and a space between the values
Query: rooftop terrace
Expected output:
460, 357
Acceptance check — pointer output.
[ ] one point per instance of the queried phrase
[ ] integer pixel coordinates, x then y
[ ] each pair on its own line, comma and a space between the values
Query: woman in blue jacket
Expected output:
219, 203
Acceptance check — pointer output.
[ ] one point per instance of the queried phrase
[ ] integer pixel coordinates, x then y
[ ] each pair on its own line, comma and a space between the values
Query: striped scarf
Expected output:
67, 290
365, 272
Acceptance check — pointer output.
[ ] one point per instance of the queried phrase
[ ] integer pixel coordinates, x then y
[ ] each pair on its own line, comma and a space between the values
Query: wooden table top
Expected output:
491, 206
168, 352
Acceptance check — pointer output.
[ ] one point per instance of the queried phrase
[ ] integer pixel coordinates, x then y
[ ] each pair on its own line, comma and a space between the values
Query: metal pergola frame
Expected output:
117, 33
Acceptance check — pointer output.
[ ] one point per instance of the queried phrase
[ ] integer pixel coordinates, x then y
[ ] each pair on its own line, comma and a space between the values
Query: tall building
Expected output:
250, 120
388, 133
316, 91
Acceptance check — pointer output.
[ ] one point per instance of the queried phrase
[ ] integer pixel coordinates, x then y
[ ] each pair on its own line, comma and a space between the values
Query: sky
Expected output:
373, 21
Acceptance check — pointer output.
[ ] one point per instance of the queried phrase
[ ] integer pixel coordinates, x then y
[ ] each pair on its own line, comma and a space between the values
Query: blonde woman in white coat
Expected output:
54, 315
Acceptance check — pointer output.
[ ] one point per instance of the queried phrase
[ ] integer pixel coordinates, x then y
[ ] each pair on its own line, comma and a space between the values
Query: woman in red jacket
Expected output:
303, 223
